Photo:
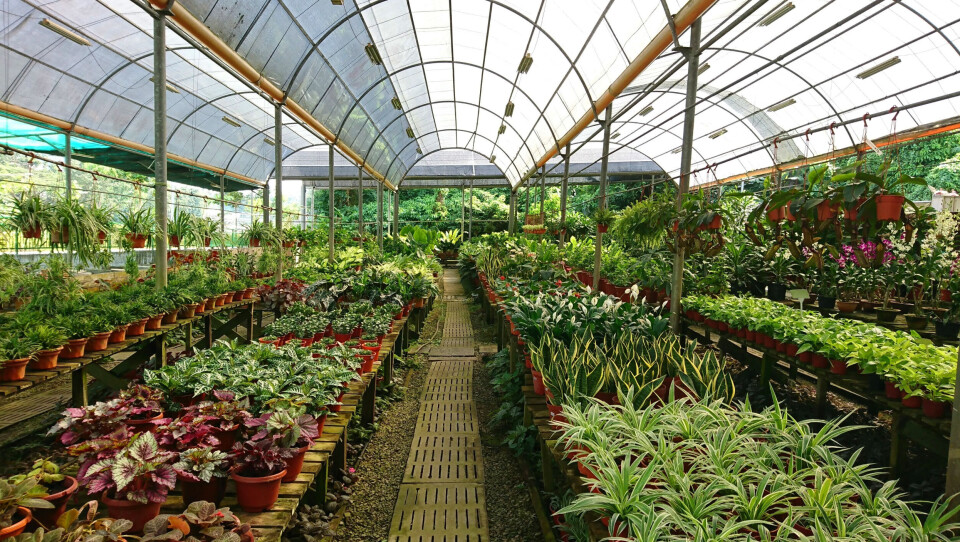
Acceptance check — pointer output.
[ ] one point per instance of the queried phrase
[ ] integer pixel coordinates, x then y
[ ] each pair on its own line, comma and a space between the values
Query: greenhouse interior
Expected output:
656, 271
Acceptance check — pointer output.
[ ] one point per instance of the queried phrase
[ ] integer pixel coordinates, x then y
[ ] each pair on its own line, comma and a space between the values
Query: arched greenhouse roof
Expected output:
391, 82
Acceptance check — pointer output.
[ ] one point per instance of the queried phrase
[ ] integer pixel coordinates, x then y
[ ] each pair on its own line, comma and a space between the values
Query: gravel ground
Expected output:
510, 514
385, 456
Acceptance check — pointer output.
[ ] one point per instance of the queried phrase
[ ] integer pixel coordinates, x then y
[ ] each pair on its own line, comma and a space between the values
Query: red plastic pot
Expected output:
139, 514
912, 402
33, 233
819, 361
74, 349
175, 240
889, 206
257, 493
137, 240
537, 382
838, 367
805, 357
136, 329
211, 491
46, 359
934, 409
48, 516
99, 341
295, 465
254, 243
602, 228
14, 370
119, 335
16, 528
341, 337
792, 349
891, 391
144, 425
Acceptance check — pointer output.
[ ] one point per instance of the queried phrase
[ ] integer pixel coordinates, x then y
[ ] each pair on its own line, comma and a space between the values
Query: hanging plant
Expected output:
28, 214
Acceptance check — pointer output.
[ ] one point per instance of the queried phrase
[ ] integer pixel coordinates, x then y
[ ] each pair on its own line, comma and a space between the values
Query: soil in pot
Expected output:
20, 520
74, 349
59, 494
46, 359
14, 370
211, 491
887, 316
139, 514
257, 493
915, 322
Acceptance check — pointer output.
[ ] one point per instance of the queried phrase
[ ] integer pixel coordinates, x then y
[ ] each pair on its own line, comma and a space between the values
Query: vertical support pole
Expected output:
68, 184
380, 216
463, 204
598, 251
278, 175
223, 213
266, 203
332, 232
396, 211
470, 226
543, 187
160, 144
360, 205
526, 206
563, 196
512, 217
686, 157
303, 205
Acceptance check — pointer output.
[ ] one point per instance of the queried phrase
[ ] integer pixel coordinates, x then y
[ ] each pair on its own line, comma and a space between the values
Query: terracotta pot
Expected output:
136, 512
154, 322
169, 318
74, 349
200, 307
237, 296
221, 300
48, 516
847, 306
99, 341
889, 206
211, 491
256, 494
120, 334
776, 215
101, 236
254, 243
34, 233
891, 391
537, 382
174, 240
18, 525
188, 311
206, 241
209, 303
136, 240
935, 409
248, 293
45, 359
602, 228
826, 211
136, 329
295, 465
14, 370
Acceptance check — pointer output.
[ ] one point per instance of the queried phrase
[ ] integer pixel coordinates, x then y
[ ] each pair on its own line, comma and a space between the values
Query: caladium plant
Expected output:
140, 472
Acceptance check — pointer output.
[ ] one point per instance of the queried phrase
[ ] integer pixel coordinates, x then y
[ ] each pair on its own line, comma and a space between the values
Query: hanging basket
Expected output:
889, 207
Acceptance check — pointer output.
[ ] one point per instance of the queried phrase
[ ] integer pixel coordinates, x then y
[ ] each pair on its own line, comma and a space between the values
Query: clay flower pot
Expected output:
154, 322
169, 318
256, 494
120, 334
48, 516
847, 306
14, 370
20, 520
139, 514
209, 303
46, 359
889, 206
136, 329
188, 310
99, 341
74, 349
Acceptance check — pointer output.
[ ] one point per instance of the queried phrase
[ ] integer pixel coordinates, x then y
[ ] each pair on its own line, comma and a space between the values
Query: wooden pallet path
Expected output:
441, 496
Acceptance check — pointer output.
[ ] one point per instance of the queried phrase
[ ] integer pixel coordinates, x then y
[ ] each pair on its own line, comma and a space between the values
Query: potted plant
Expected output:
16, 500
255, 233
137, 226
143, 407
203, 474
291, 428
259, 465
200, 522
603, 218
181, 228
56, 487
28, 214
49, 340
102, 221
15, 352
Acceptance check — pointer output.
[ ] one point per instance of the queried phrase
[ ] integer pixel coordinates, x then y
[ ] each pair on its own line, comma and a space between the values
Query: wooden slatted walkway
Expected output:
441, 497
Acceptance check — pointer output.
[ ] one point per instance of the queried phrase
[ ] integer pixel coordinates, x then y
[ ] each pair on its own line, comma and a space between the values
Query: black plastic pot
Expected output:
887, 316
947, 330
826, 302
915, 322
756, 289
777, 292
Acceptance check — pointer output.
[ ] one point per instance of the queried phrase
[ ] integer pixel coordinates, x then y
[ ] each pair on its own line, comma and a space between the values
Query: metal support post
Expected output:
278, 175
598, 251
396, 212
380, 216
160, 145
68, 184
526, 206
953, 455
360, 205
303, 205
223, 213
332, 232
266, 203
686, 157
543, 188
512, 217
463, 205
471, 211
563, 196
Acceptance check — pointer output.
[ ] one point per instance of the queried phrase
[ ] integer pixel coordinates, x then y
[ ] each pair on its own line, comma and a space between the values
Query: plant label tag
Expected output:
800, 295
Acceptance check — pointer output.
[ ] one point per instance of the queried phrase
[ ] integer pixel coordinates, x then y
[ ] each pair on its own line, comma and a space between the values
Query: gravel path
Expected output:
510, 514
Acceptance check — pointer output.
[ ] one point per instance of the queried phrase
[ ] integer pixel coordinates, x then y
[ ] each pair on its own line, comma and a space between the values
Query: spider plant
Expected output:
28, 214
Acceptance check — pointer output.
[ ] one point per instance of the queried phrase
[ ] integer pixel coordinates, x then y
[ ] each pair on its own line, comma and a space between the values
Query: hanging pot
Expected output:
602, 228
175, 241
776, 215
101, 236
826, 211
33, 233
889, 206
254, 243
